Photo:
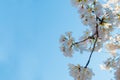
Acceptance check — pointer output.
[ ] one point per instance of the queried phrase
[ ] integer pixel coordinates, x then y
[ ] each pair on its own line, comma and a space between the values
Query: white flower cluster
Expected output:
113, 45
66, 47
102, 20
69, 45
109, 64
112, 63
93, 14
80, 73
117, 68
117, 74
114, 8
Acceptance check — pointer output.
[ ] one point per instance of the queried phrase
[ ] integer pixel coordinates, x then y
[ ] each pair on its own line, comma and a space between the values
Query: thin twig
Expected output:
82, 41
89, 37
93, 47
91, 53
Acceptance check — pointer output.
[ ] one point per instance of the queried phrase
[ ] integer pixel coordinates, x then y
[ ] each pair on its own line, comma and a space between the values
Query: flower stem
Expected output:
91, 53
93, 47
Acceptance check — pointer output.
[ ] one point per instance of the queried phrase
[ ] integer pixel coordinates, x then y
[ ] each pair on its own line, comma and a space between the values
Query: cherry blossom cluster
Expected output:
69, 45
112, 63
113, 45
117, 74
79, 72
102, 21
67, 42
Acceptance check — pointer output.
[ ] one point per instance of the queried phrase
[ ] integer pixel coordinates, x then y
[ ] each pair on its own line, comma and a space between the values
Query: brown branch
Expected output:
82, 40
89, 37
91, 53
93, 47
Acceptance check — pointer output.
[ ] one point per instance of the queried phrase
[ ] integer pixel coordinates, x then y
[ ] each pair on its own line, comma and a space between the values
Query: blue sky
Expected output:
29, 44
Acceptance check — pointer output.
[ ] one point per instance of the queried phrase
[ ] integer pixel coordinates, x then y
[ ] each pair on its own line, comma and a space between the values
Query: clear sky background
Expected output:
29, 40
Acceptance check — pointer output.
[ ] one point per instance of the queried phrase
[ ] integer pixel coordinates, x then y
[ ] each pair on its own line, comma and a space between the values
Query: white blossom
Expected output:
113, 2
111, 48
102, 21
66, 46
117, 38
75, 2
109, 64
98, 9
109, 17
62, 38
80, 73
91, 20
117, 74
104, 67
117, 21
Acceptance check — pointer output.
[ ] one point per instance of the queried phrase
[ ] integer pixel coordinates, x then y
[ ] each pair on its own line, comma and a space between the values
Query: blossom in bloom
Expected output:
69, 34
66, 48
117, 21
117, 9
75, 2
109, 64
117, 74
98, 9
109, 17
104, 67
113, 1
117, 38
62, 38
91, 20
67, 52
66, 44
74, 71
82, 10
102, 21
80, 73
98, 46
111, 48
